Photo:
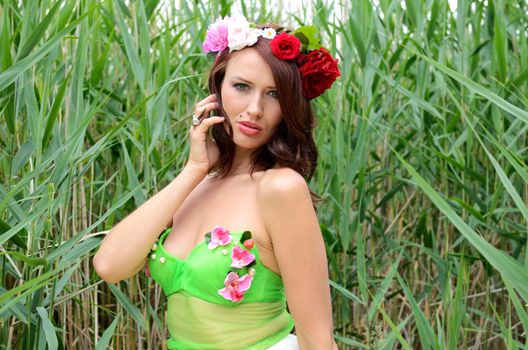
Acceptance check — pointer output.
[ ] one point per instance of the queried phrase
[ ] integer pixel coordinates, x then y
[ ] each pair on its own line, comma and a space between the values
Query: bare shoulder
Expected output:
282, 182
299, 249
282, 188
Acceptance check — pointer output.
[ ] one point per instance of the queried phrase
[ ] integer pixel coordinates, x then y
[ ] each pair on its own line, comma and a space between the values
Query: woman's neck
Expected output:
238, 170
241, 162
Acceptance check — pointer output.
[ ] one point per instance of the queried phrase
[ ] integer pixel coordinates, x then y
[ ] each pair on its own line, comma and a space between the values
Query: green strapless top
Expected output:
207, 310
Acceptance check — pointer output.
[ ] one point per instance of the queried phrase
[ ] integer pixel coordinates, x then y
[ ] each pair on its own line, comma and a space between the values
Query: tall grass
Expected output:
423, 153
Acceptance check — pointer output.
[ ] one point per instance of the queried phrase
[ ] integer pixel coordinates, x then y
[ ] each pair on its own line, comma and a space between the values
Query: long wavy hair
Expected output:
293, 144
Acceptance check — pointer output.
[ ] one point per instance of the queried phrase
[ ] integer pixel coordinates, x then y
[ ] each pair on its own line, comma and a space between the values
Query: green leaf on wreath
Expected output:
304, 41
309, 37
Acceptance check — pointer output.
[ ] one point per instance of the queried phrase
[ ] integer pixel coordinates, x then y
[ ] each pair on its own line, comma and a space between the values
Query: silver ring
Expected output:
195, 120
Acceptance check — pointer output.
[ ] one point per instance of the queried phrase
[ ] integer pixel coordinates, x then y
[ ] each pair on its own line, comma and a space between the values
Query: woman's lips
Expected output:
248, 131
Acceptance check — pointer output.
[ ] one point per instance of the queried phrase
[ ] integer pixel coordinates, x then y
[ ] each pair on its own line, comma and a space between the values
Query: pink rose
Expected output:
219, 236
216, 38
241, 257
235, 287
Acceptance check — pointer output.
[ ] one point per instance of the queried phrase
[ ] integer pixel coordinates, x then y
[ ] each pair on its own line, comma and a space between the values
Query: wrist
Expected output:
196, 170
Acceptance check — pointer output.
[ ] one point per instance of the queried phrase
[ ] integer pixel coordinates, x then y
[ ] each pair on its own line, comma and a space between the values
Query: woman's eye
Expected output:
273, 93
240, 86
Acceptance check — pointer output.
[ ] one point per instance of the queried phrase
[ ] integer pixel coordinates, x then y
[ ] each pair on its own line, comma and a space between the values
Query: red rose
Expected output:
285, 46
318, 71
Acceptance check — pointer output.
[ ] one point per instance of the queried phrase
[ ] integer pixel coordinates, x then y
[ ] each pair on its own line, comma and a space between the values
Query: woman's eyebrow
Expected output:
249, 82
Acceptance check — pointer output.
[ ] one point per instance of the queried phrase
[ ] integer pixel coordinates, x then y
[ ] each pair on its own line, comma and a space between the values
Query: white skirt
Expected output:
287, 343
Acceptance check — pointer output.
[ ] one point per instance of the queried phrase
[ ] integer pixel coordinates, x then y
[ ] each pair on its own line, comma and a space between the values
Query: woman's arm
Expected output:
126, 246
290, 219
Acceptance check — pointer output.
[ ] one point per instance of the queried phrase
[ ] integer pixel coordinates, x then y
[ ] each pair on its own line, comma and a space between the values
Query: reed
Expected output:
423, 164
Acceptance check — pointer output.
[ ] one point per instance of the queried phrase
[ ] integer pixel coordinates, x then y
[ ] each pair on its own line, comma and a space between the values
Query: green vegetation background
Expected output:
423, 152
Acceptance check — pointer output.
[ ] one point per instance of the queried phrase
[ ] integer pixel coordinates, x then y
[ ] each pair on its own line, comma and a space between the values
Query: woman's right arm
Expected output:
125, 248
127, 244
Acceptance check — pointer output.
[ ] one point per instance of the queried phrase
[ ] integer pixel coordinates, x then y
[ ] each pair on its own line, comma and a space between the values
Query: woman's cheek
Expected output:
233, 104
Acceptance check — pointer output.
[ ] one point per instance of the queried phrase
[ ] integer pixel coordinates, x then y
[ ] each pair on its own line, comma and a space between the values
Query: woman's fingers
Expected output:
200, 131
200, 149
202, 152
203, 112
200, 111
209, 99
207, 122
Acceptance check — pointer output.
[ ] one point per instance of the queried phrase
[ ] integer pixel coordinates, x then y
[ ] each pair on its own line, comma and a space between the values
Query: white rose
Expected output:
239, 34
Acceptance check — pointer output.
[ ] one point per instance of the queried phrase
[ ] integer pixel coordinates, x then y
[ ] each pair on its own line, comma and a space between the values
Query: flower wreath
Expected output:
318, 69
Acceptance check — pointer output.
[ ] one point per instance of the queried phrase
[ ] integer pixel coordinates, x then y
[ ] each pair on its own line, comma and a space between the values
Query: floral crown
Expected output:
318, 69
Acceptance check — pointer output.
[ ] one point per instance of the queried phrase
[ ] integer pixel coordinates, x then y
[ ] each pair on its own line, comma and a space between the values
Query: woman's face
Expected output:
249, 95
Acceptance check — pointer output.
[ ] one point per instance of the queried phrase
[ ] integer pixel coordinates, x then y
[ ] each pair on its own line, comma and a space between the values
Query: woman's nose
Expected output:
255, 108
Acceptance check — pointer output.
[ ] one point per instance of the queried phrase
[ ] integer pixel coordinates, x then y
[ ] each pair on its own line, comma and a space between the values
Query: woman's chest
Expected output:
232, 204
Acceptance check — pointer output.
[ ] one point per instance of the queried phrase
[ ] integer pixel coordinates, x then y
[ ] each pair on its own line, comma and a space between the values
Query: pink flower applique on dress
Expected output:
235, 286
147, 272
219, 236
241, 257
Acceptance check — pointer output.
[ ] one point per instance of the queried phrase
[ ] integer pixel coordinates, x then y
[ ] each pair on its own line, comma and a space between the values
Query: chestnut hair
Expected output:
292, 145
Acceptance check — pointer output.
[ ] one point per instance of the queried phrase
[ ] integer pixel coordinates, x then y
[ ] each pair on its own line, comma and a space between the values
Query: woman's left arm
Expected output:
291, 221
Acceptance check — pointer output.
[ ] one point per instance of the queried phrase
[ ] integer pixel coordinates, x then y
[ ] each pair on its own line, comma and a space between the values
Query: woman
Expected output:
245, 188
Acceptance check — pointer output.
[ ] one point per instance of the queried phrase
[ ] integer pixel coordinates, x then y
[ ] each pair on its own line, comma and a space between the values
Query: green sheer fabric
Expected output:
198, 317
197, 324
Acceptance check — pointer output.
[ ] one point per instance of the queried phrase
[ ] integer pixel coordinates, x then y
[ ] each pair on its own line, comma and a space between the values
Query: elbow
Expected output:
103, 271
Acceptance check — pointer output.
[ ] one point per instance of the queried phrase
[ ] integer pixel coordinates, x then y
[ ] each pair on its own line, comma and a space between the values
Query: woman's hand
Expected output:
203, 150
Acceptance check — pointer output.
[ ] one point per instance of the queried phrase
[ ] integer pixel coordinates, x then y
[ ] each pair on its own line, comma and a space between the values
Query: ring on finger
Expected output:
195, 120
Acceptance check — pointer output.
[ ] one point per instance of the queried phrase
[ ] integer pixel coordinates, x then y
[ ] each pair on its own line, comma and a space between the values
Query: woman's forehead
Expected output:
250, 65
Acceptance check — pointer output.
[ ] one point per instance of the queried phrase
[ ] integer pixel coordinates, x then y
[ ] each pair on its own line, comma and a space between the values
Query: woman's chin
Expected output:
246, 144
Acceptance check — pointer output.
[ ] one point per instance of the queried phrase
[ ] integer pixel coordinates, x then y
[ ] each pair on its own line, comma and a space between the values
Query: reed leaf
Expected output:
509, 269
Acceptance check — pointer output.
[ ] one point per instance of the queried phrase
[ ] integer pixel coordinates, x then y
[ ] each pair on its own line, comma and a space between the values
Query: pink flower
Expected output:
241, 257
219, 236
147, 272
240, 34
216, 38
235, 287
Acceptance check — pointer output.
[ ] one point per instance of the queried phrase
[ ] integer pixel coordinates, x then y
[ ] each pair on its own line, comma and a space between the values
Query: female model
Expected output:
240, 233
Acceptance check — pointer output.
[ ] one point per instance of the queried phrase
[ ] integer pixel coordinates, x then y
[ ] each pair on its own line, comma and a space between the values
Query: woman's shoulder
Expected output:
281, 193
282, 181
